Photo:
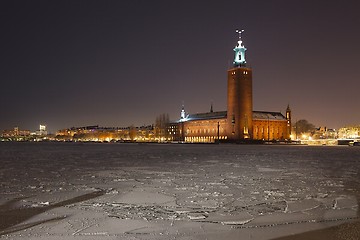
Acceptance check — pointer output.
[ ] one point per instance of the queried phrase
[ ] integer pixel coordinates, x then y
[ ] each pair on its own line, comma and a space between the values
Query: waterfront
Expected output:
175, 191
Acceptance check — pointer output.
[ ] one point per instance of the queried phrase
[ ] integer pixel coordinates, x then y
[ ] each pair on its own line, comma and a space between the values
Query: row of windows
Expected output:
266, 129
213, 131
268, 136
244, 72
204, 139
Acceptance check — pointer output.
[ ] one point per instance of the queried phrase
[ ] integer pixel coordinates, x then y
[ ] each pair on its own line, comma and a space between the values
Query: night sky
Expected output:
117, 63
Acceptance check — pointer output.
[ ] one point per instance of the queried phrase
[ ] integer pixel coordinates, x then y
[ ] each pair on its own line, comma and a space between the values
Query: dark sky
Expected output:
117, 63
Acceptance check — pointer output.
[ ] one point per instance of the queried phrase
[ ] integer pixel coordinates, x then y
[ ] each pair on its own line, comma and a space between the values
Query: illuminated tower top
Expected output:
239, 50
182, 114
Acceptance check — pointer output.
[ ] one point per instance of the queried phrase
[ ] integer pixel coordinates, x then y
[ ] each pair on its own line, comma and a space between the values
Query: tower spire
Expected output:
239, 50
182, 113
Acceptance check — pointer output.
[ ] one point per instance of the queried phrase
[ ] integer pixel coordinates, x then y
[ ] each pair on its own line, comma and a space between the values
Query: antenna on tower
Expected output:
240, 31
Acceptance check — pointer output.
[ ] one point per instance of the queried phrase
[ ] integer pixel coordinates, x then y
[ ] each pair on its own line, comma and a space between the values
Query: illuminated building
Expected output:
42, 130
239, 122
106, 134
350, 132
16, 134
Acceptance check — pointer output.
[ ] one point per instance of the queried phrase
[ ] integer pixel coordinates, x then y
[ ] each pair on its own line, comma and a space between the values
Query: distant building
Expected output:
324, 133
106, 134
239, 122
16, 134
42, 131
349, 132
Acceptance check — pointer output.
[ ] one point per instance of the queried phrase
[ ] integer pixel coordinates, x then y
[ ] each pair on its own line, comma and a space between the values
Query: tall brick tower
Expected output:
239, 96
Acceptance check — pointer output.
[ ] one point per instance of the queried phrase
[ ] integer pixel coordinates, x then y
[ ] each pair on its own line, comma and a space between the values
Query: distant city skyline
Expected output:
116, 64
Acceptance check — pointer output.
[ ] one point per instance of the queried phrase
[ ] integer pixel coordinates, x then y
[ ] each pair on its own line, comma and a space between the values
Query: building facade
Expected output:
239, 122
107, 134
16, 134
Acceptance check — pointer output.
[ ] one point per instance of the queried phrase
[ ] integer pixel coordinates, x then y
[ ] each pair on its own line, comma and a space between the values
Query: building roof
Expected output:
257, 115
204, 116
260, 115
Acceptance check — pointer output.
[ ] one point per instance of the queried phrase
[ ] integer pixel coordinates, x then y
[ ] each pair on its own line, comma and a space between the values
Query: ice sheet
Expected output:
174, 191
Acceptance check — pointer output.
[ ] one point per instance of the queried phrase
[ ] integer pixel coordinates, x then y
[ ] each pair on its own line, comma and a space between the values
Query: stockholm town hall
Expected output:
240, 122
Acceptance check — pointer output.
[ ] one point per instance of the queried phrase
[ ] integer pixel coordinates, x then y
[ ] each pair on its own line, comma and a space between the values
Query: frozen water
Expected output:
175, 191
